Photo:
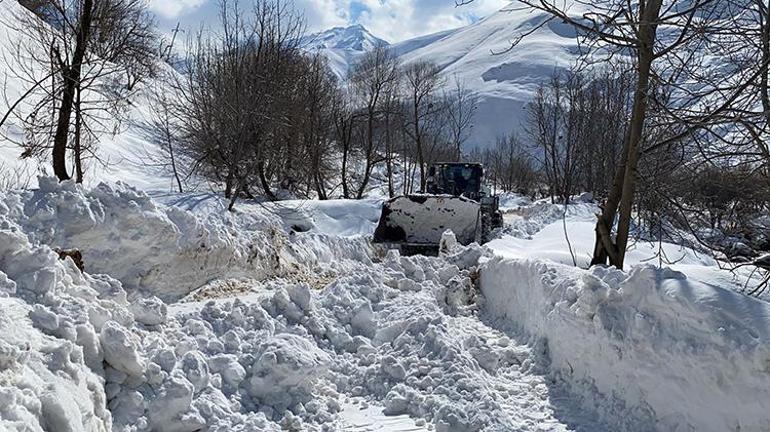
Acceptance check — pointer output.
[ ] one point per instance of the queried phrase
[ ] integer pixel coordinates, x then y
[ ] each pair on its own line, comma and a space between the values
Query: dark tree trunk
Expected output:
265, 184
78, 137
71, 77
628, 171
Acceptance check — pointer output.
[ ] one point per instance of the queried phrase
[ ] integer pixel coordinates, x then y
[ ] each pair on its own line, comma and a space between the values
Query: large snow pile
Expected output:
550, 231
647, 350
314, 330
124, 233
82, 351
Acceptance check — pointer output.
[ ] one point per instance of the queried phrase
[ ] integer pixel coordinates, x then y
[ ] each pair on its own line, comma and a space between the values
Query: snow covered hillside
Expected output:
505, 79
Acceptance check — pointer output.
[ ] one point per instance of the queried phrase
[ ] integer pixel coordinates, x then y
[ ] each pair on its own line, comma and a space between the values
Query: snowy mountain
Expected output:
342, 45
479, 54
504, 78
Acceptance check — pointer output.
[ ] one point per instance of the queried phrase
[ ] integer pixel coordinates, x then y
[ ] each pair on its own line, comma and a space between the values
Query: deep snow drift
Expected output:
318, 331
284, 317
649, 350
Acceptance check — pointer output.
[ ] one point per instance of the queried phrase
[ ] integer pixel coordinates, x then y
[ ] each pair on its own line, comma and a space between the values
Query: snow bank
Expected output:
124, 233
50, 355
170, 250
76, 354
648, 350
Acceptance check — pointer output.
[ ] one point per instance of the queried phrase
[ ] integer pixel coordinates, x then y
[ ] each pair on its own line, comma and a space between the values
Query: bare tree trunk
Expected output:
418, 143
344, 174
234, 196
78, 137
604, 247
265, 184
370, 152
71, 81
764, 79
389, 154
647, 31
229, 180
169, 142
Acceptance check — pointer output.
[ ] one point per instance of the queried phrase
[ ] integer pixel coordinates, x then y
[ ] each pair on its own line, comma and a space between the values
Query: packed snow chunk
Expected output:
300, 295
149, 311
7, 286
393, 368
395, 403
448, 242
44, 382
363, 321
195, 368
172, 409
120, 349
227, 366
645, 350
286, 366
127, 406
43, 318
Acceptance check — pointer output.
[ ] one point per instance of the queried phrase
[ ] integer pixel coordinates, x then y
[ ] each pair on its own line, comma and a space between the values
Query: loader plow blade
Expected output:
422, 219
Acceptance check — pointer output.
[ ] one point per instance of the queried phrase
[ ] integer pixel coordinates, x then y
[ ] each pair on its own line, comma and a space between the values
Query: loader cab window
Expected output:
457, 179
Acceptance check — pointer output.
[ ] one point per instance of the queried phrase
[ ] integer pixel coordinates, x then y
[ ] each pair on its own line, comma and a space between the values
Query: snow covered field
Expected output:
286, 318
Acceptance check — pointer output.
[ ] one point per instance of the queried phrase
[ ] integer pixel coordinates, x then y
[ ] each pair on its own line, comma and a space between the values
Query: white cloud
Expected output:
170, 9
397, 20
392, 20
324, 14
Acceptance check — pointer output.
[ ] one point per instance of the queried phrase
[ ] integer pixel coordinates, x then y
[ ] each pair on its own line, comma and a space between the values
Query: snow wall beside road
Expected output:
645, 350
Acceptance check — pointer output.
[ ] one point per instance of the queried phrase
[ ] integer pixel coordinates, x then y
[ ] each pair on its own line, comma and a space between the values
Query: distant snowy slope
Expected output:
342, 46
505, 78
408, 46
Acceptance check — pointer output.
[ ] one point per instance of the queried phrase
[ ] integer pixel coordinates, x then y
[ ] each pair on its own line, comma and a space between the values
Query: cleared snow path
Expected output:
361, 417
395, 345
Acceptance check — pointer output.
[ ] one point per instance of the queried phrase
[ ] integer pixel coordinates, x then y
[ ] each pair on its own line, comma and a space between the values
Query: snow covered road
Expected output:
399, 338
197, 319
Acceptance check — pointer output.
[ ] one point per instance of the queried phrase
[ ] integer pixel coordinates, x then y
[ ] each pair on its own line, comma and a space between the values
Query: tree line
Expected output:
665, 120
260, 115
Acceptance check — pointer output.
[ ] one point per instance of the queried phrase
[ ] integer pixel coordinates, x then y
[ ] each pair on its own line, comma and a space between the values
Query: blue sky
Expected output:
392, 20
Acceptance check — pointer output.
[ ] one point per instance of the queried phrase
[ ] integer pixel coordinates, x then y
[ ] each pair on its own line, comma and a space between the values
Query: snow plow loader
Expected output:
455, 199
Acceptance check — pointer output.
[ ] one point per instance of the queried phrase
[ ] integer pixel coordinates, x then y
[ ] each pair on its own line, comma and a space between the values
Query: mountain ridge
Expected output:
504, 82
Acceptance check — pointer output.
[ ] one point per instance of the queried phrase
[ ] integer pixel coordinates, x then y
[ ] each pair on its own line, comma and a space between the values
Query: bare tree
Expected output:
344, 122
371, 77
93, 54
313, 113
461, 104
422, 80
257, 111
651, 32
578, 121
163, 128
